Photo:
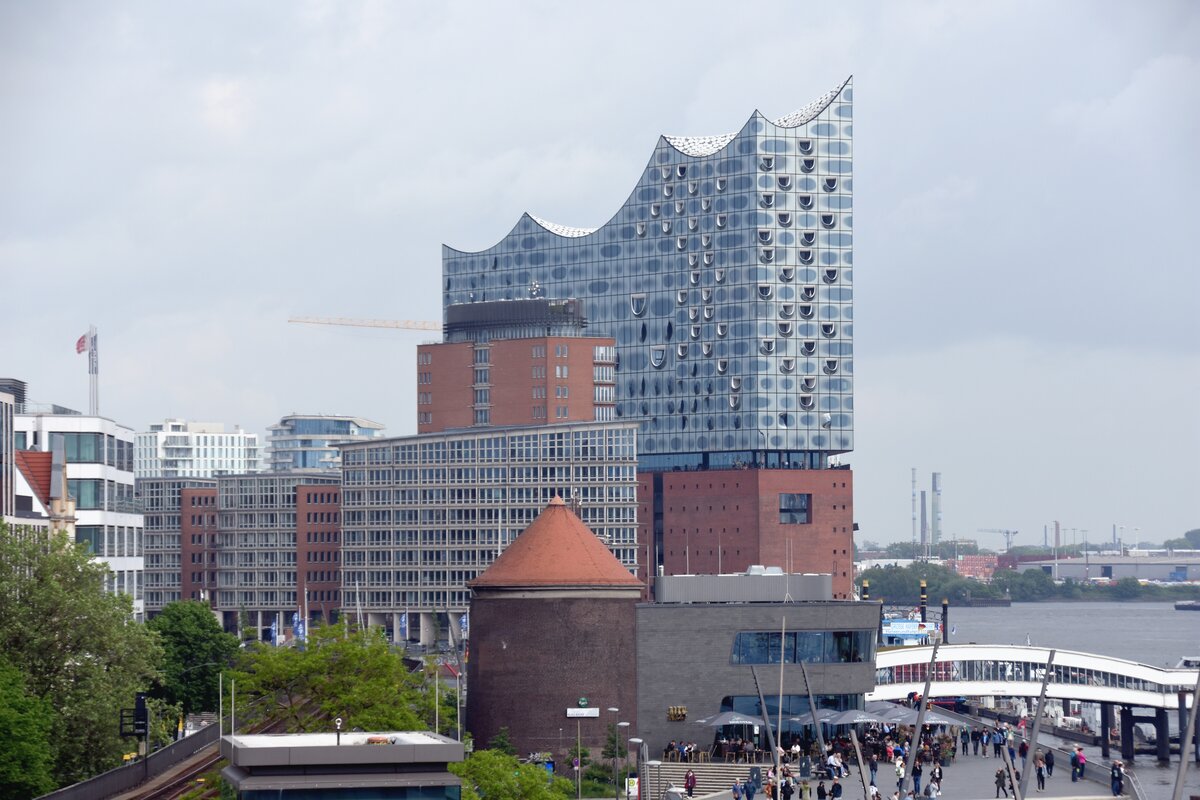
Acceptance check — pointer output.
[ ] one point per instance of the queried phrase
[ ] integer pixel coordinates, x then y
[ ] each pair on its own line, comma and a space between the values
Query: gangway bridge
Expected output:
983, 670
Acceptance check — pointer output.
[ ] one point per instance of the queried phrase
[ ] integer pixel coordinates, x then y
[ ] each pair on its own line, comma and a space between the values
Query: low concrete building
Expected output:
1108, 567
315, 766
698, 651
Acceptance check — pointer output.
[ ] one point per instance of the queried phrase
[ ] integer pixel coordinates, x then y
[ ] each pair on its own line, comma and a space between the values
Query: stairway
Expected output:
710, 778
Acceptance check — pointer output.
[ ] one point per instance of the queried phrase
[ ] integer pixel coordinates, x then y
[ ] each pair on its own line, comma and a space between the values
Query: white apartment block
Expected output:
176, 448
99, 472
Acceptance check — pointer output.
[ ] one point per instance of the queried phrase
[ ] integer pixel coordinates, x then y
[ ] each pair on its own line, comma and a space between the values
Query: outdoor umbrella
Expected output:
855, 717
823, 715
729, 718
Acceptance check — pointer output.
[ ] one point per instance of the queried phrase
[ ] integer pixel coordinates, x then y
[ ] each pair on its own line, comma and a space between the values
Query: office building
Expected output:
273, 530
7, 456
726, 281
423, 515
176, 448
308, 442
163, 504
515, 362
98, 457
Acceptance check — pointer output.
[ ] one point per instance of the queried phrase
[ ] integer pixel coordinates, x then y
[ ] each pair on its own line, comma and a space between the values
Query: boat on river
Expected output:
910, 631
1187, 605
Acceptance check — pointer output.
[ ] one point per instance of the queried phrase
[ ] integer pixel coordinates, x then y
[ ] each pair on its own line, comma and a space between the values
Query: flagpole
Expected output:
93, 373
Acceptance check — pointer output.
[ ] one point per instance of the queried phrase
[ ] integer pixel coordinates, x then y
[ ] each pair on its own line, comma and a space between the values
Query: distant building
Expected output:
1106, 568
423, 515
163, 505
267, 525
176, 448
307, 442
552, 634
7, 463
979, 567
98, 458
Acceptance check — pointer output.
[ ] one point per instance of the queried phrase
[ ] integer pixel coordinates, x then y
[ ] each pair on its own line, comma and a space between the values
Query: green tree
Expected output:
74, 644
25, 725
494, 775
1127, 589
502, 743
196, 651
352, 675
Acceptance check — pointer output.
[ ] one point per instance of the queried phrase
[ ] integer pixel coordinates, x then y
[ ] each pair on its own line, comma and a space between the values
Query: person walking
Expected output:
1075, 765
1082, 761
899, 773
689, 783
1023, 752
785, 789
1117, 775
935, 776
1001, 783
737, 790
822, 792
835, 791
873, 766
917, 771
749, 788
1039, 767
1049, 763
986, 739
997, 743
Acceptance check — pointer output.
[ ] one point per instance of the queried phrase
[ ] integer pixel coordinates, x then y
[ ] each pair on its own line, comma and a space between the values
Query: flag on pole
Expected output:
81, 346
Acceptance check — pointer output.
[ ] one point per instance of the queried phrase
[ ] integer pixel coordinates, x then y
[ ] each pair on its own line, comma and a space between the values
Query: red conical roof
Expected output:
556, 550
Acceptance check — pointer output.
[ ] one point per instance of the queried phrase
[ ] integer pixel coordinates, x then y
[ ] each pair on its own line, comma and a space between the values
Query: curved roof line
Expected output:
699, 146
563, 230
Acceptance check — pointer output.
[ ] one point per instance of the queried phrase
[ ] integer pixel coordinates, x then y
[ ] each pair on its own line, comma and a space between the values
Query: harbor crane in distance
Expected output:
403, 324
1007, 534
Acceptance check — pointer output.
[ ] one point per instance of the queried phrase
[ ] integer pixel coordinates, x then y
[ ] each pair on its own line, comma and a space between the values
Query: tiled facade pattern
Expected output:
424, 515
726, 279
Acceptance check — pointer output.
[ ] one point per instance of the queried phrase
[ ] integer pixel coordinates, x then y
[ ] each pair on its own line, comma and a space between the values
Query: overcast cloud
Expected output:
186, 178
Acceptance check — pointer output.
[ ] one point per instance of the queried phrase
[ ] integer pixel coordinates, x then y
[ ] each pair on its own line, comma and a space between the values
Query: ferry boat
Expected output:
1187, 605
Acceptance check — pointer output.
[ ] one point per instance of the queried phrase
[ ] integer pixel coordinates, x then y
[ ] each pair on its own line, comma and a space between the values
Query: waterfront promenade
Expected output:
970, 778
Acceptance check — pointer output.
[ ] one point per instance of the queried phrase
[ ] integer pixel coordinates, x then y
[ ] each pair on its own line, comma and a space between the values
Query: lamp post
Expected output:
637, 747
616, 760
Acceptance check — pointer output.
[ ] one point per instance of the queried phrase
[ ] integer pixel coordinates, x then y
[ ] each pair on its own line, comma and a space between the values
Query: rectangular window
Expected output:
795, 509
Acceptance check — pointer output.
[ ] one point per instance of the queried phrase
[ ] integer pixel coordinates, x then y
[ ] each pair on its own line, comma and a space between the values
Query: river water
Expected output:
1150, 633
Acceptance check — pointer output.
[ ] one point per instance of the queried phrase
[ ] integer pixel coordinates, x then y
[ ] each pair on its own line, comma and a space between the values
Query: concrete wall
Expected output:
684, 660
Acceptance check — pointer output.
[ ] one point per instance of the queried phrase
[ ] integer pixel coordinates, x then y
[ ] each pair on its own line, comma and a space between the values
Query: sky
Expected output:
187, 177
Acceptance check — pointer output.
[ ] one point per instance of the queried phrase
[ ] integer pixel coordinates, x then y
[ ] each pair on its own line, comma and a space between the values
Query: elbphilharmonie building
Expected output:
726, 279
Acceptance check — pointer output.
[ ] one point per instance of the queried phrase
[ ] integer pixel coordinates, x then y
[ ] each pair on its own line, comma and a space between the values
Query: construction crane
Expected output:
405, 324
1007, 534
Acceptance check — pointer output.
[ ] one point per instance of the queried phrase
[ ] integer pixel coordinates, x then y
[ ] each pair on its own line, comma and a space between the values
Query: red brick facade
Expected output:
198, 544
726, 520
528, 382
318, 549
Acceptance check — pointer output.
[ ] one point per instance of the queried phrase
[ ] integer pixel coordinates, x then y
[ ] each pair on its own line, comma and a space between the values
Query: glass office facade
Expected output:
726, 279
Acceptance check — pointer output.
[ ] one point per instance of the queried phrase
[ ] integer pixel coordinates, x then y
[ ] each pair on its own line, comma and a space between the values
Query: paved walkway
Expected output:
968, 778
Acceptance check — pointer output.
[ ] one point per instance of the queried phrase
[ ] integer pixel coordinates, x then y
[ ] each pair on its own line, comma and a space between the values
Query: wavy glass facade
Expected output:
726, 279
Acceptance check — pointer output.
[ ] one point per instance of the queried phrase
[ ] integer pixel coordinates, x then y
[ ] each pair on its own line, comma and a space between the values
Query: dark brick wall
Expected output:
532, 658
684, 660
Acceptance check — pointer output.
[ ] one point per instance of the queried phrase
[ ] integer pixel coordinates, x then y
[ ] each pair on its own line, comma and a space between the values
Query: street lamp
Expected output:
616, 759
637, 748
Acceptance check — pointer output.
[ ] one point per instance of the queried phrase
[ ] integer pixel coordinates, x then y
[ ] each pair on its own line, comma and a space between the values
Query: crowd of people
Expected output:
802, 771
